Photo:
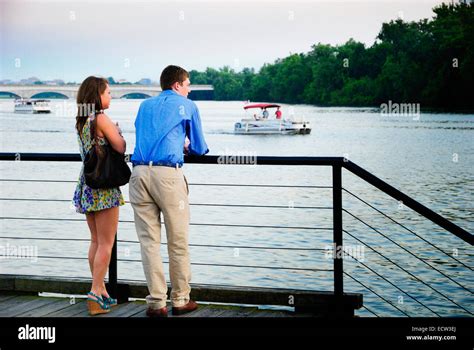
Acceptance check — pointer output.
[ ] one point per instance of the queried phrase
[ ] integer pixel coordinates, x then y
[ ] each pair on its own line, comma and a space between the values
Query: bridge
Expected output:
70, 91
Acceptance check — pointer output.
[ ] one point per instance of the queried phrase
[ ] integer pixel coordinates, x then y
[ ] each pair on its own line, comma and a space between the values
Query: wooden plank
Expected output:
239, 312
270, 313
10, 303
4, 297
57, 305
83, 312
206, 311
20, 308
114, 312
79, 306
125, 310
200, 309
16, 299
141, 313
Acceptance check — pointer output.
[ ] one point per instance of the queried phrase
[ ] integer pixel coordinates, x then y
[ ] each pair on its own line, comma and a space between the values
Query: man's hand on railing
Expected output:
186, 146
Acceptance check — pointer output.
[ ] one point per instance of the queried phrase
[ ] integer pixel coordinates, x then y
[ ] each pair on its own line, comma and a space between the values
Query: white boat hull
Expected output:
32, 110
271, 127
32, 106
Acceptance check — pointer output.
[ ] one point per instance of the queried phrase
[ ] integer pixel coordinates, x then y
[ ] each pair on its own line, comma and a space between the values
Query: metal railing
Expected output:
338, 230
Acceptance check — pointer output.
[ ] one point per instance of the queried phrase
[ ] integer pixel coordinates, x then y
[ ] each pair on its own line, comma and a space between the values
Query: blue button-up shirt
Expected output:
161, 126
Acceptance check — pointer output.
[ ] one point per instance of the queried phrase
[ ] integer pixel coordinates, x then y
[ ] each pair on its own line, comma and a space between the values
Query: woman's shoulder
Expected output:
103, 122
102, 118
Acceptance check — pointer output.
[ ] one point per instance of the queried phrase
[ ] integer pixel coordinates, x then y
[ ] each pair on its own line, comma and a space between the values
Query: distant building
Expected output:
35, 81
144, 81
55, 82
29, 81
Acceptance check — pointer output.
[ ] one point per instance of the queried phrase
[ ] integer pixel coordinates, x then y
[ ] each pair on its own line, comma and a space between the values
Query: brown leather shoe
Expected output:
163, 312
181, 310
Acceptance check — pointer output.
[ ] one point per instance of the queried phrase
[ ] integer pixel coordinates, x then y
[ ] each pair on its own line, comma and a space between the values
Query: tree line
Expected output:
430, 62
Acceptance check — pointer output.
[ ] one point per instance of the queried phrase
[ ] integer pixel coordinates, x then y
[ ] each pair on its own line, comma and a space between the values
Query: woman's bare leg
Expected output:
106, 224
94, 244
90, 217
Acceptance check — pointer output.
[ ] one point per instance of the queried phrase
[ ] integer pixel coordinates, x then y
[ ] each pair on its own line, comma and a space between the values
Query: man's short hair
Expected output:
171, 75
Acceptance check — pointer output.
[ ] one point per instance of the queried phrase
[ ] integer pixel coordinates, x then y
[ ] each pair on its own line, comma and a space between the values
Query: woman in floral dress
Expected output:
101, 206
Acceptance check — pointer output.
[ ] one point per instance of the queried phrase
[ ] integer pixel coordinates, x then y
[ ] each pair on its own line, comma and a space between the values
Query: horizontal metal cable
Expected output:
257, 185
245, 266
190, 184
260, 206
191, 224
60, 257
191, 244
49, 239
394, 263
197, 264
377, 294
406, 228
422, 260
192, 204
36, 200
241, 246
227, 285
38, 180
48, 276
387, 280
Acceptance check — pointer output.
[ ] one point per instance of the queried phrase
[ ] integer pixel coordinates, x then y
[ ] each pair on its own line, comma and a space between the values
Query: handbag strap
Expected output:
93, 128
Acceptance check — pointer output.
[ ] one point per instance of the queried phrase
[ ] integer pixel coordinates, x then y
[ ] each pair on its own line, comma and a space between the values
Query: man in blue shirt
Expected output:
158, 186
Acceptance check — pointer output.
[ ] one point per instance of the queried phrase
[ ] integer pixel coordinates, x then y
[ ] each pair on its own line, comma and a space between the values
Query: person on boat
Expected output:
159, 187
265, 113
278, 113
101, 206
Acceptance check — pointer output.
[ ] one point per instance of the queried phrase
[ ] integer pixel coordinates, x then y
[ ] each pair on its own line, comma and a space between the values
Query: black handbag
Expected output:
104, 167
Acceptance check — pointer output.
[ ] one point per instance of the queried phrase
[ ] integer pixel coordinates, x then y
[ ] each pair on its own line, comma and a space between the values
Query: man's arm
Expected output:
195, 134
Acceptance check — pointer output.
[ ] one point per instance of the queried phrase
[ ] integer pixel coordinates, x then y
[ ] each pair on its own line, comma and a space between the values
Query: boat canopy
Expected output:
261, 105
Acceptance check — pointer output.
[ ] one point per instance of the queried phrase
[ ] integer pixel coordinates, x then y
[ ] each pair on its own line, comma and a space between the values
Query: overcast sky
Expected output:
70, 40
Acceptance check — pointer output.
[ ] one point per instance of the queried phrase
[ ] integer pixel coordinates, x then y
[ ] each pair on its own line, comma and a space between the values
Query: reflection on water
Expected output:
429, 159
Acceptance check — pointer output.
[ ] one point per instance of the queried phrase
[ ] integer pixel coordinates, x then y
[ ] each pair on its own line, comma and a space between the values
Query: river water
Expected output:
428, 156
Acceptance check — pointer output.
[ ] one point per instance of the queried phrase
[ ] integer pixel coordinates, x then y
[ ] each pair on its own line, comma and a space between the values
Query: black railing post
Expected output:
337, 228
119, 291
113, 289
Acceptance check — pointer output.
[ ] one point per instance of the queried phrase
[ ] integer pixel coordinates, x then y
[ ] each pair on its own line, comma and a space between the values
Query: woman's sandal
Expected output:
96, 306
110, 301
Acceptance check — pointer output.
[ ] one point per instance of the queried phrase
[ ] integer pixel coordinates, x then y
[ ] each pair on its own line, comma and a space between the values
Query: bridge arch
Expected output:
50, 94
135, 95
7, 94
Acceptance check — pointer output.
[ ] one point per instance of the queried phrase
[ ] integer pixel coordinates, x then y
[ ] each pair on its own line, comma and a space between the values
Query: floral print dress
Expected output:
87, 199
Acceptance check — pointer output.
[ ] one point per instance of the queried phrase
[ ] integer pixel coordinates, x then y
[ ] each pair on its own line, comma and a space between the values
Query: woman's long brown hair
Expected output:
88, 99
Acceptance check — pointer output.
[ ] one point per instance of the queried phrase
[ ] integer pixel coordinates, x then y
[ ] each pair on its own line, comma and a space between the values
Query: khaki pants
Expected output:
156, 190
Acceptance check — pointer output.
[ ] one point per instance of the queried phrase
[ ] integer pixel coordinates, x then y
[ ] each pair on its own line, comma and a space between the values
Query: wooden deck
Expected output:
12, 305
20, 297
